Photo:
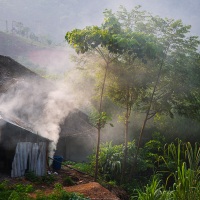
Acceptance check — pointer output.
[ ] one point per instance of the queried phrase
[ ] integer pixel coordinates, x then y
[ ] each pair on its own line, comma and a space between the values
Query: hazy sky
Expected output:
56, 17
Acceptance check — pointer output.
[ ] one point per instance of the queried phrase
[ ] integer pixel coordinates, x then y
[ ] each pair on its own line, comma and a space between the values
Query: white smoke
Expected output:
42, 104
57, 107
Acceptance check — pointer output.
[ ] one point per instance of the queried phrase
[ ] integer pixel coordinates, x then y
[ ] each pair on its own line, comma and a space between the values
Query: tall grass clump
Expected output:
153, 191
181, 165
187, 184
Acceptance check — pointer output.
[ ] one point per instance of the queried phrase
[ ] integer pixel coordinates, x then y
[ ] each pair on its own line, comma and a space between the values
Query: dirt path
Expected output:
82, 183
85, 184
93, 190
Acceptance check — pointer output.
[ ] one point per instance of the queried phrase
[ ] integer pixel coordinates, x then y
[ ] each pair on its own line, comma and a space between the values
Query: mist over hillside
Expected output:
49, 20
55, 17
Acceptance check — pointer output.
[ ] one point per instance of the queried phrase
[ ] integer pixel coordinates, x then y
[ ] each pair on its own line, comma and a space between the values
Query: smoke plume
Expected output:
41, 104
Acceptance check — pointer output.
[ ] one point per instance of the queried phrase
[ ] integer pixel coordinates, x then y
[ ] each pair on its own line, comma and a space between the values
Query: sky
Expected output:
55, 17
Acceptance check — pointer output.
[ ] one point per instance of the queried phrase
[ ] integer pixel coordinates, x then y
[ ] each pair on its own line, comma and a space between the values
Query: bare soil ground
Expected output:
83, 184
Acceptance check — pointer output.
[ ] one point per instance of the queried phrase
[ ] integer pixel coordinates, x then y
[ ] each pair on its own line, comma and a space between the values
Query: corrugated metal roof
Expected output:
19, 123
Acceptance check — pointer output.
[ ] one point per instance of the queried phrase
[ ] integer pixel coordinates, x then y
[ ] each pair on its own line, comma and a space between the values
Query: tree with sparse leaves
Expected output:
112, 42
150, 61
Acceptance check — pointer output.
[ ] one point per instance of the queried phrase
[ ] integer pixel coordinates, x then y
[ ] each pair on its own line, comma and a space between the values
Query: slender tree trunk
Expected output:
126, 136
149, 108
147, 114
125, 147
99, 123
143, 127
97, 154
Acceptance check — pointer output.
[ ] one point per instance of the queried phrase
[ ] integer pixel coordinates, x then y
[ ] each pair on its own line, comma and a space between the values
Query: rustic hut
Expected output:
21, 149
77, 137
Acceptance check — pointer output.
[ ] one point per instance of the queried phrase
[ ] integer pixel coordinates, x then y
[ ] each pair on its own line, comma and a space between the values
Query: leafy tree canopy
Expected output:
114, 37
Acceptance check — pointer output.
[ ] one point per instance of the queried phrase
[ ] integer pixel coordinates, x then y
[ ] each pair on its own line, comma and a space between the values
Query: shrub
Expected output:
47, 179
4, 185
67, 181
16, 192
31, 176
111, 158
23, 188
153, 191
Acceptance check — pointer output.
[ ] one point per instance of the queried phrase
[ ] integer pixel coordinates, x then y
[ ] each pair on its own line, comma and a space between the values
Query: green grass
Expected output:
47, 179
83, 167
21, 192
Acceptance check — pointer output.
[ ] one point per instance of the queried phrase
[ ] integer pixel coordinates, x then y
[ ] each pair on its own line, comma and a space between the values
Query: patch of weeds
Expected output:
4, 185
69, 163
23, 188
5, 194
31, 176
83, 167
67, 181
109, 185
18, 196
47, 179
16, 192
112, 183
60, 194
5, 190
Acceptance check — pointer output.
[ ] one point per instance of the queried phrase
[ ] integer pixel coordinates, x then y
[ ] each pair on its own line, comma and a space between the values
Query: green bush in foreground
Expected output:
15, 192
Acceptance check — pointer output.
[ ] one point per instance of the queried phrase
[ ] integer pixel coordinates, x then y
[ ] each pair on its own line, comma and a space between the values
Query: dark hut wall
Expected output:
75, 148
77, 137
10, 135
18, 81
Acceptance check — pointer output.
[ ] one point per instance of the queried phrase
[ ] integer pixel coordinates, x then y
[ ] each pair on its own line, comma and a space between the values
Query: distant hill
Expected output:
11, 69
21, 90
12, 72
34, 55
14, 46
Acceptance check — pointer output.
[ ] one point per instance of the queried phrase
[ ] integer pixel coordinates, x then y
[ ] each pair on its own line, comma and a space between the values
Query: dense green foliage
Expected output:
172, 168
111, 159
182, 161
149, 64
